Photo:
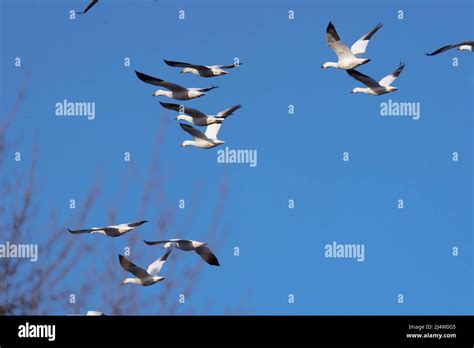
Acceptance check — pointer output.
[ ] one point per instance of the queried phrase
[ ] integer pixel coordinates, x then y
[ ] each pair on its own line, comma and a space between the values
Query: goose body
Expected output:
174, 91
189, 245
347, 57
373, 87
198, 118
143, 277
202, 70
111, 231
202, 140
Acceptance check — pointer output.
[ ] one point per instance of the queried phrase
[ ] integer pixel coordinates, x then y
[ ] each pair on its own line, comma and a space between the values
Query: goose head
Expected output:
329, 65
159, 93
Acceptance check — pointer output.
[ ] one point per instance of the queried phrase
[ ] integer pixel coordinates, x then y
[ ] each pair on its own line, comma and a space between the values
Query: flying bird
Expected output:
111, 231
94, 313
189, 245
347, 58
374, 87
462, 46
205, 140
197, 117
175, 91
91, 4
142, 277
202, 70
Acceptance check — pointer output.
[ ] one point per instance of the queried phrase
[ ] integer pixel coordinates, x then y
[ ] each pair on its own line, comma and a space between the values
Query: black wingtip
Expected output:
69, 230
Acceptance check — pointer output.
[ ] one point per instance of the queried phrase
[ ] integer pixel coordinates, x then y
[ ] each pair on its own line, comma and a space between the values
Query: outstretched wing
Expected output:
162, 241
194, 132
206, 89
184, 65
366, 80
92, 3
132, 268
136, 224
155, 268
155, 242
181, 108
360, 45
439, 50
207, 255
159, 82
334, 42
448, 47
229, 111
388, 80
87, 230
212, 130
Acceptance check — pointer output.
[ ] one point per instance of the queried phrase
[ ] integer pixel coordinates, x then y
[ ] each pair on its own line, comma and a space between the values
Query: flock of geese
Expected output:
204, 140
350, 58
149, 276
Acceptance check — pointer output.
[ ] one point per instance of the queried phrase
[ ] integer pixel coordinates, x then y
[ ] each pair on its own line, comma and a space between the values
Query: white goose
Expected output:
347, 58
111, 231
142, 277
189, 245
202, 70
175, 91
462, 46
205, 140
374, 87
198, 118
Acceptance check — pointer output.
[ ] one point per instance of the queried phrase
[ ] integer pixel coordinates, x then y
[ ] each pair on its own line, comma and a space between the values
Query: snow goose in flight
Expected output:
175, 91
94, 313
189, 245
462, 46
374, 87
202, 70
111, 231
205, 140
143, 277
92, 3
347, 58
198, 118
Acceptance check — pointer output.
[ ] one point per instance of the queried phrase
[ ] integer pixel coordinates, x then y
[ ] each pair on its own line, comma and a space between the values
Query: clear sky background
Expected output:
407, 251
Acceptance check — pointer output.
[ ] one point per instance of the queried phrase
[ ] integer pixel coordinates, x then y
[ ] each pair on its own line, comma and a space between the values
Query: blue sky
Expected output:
299, 156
